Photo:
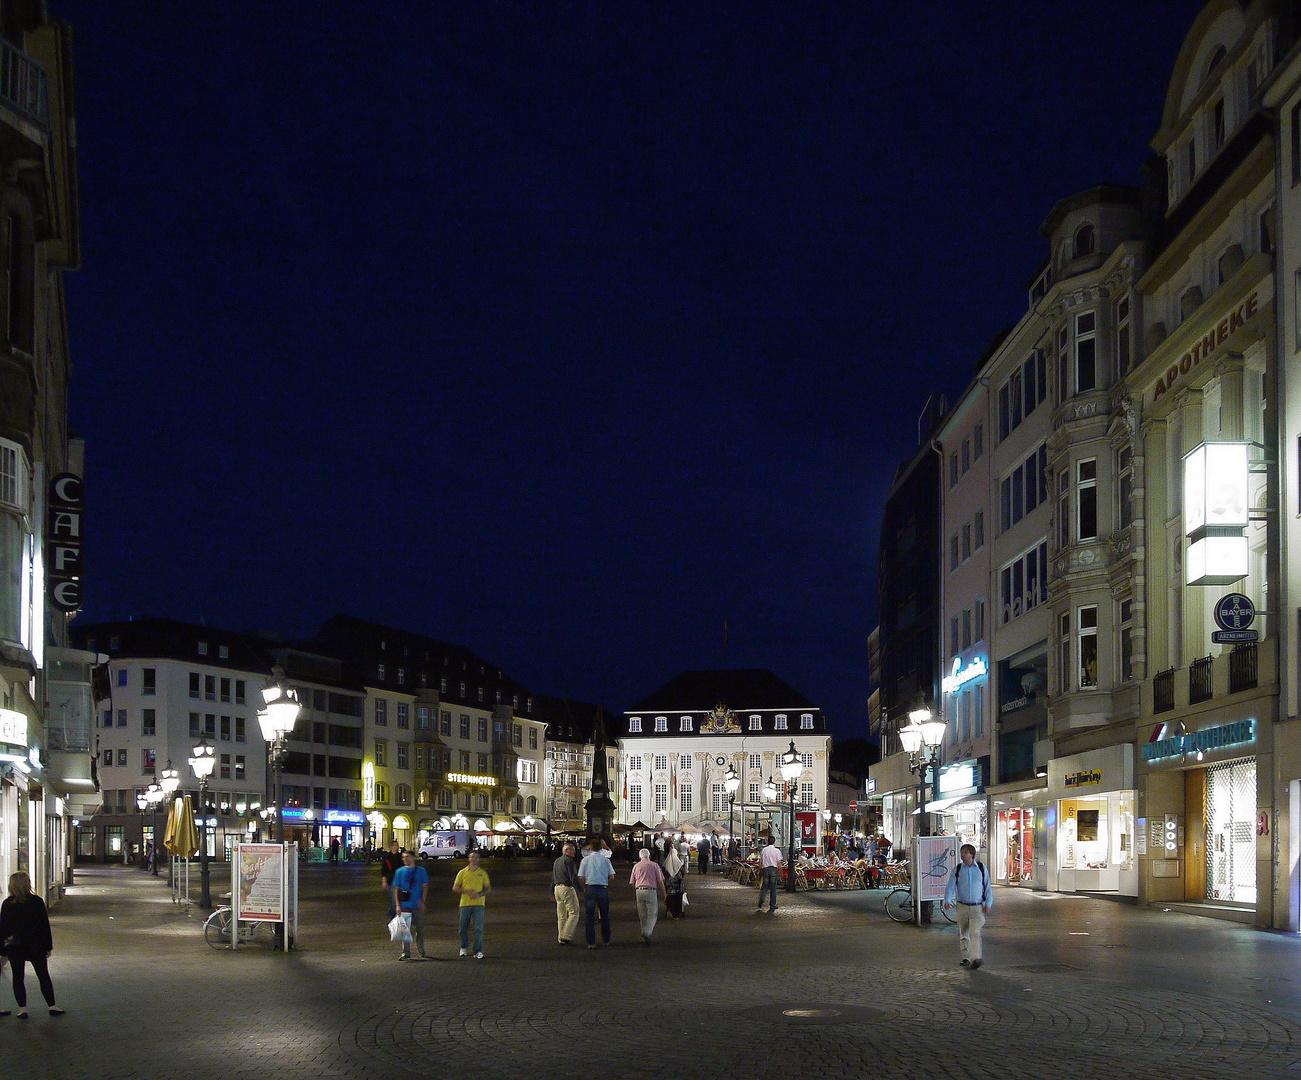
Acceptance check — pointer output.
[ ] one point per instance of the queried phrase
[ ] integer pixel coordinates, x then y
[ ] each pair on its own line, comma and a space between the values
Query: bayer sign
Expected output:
1234, 614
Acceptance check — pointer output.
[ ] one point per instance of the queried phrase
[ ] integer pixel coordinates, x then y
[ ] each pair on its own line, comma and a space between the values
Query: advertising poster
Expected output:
935, 857
260, 880
808, 820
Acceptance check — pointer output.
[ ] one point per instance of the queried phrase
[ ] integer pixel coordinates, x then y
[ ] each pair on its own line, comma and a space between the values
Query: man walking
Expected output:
702, 855
390, 862
565, 886
770, 859
410, 891
648, 881
970, 889
594, 874
473, 887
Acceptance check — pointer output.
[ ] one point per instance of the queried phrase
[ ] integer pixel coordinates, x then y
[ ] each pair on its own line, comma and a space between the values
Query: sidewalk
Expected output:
1072, 987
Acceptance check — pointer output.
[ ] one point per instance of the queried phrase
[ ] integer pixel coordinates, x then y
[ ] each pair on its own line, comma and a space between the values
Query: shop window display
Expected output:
1016, 827
1097, 834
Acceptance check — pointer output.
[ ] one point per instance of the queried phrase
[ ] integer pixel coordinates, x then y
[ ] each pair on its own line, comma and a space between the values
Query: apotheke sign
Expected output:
1205, 347
1216, 738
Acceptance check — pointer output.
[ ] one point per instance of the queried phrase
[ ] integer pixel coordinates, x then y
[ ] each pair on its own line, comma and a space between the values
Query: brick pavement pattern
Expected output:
1073, 987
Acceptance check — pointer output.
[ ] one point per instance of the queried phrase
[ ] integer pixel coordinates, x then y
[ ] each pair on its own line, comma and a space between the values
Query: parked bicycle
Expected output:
216, 931
899, 906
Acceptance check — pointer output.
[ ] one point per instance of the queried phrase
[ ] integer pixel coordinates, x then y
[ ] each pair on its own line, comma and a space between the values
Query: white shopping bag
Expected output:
399, 929
685, 902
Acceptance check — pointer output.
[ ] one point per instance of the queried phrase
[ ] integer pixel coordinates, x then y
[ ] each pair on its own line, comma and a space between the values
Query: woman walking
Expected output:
26, 939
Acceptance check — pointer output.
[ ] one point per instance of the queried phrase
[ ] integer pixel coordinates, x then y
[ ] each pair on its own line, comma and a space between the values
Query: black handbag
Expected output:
403, 894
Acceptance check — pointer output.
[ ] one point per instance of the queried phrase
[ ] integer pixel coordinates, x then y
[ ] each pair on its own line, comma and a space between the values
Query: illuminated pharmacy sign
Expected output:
1216, 499
1197, 742
13, 727
960, 675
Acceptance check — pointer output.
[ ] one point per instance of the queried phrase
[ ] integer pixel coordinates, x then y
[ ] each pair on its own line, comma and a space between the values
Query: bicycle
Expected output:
216, 931
899, 906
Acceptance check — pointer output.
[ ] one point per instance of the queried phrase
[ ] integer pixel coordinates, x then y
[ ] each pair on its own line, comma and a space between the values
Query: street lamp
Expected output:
731, 782
277, 721
170, 779
791, 767
154, 794
202, 764
921, 740
142, 804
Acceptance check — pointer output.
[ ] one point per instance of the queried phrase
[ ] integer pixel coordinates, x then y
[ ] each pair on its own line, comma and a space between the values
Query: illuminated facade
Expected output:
47, 776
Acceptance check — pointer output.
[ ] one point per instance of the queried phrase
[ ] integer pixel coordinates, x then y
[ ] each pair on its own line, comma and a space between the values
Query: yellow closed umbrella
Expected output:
169, 833
182, 838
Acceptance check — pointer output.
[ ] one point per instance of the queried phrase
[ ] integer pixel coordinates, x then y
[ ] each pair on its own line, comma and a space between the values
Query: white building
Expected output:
169, 685
675, 748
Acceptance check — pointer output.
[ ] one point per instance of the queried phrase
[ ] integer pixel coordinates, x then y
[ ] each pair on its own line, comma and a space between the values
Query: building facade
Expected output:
571, 732
165, 687
47, 776
675, 747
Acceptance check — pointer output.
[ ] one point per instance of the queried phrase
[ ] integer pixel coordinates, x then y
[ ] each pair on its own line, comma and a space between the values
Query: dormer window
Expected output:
1085, 241
756, 723
685, 724
634, 724
780, 722
661, 723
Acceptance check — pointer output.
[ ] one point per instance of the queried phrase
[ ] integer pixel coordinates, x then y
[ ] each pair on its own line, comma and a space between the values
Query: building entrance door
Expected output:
1231, 832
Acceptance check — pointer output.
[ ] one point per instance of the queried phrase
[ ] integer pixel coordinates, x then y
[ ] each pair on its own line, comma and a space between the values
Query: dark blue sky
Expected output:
559, 331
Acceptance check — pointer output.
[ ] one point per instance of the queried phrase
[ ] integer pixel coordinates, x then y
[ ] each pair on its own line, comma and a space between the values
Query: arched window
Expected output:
403, 795
531, 805
481, 802
498, 803
1085, 241
381, 792
444, 799
1213, 63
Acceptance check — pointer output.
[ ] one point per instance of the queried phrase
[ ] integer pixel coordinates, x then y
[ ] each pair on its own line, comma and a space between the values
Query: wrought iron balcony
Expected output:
23, 85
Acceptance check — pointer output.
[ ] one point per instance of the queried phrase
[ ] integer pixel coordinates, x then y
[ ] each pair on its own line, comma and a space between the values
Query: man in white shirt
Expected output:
770, 858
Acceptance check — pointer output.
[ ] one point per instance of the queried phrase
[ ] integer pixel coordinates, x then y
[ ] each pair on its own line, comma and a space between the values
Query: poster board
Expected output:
934, 858
264, 888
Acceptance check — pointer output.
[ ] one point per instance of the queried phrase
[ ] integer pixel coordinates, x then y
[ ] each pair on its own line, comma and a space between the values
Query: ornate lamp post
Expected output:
142, 804
791, 767
921, 740
171, 779
202, 764
154, 794
277, 721
731, 782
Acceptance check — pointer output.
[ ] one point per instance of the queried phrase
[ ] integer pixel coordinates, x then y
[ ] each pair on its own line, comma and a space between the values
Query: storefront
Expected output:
962, 805
1203, 811
1092, 836
1019, 855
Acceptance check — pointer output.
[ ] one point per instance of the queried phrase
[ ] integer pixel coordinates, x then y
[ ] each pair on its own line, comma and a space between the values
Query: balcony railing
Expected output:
23, 86
1163, 691
1201, 680
1243, 669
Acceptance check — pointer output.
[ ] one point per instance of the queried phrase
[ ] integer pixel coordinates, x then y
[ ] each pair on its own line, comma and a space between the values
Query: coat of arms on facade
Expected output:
720, 720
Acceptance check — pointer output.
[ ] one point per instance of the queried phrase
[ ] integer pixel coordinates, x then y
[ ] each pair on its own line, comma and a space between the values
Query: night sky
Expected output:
564, 332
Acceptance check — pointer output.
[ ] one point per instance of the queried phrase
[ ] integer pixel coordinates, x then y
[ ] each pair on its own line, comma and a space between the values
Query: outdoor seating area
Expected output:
821, 873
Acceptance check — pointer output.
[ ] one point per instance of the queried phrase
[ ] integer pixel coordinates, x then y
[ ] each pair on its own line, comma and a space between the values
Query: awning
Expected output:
940, 805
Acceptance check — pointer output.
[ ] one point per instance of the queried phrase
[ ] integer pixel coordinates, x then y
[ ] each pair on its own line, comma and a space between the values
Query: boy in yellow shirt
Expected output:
473, 886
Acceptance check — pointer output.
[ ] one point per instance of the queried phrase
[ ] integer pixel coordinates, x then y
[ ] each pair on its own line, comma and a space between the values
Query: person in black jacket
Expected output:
390, 862
26, 939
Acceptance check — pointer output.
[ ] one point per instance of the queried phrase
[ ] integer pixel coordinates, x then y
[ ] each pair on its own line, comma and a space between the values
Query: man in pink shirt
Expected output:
648, 880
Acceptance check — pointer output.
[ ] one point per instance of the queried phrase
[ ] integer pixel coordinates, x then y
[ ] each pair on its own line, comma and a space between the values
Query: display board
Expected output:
934, 858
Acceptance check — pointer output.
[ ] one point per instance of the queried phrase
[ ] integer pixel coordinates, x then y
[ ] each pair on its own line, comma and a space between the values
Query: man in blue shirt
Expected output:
969, 888
595, 872
410, 888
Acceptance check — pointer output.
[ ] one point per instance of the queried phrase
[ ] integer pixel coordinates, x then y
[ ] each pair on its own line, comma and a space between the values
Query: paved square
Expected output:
828, 987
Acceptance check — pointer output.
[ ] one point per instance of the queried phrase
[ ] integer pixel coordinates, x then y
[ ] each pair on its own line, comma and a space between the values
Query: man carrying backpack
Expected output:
969, 888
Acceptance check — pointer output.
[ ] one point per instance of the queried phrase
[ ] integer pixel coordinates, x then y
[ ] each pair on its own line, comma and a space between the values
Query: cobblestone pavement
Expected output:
1072, 987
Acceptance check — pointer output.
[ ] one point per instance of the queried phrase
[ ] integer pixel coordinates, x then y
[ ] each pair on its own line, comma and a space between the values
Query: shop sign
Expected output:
957, 778
467, 778
870, 788
1204, 348
1244, 731
1083, 779
13, 727
368, 784
960, 676
63, 547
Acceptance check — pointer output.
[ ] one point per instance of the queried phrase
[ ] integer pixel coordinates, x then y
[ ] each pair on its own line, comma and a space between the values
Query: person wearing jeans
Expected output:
473, 887
595, 873
770, 859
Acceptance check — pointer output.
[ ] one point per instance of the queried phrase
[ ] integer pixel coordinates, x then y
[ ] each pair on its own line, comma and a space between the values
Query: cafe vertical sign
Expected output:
63, 542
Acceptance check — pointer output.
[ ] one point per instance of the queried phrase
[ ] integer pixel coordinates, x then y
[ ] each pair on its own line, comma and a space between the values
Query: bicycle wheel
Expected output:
899, 905
216, 931
942, 910
264, 933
